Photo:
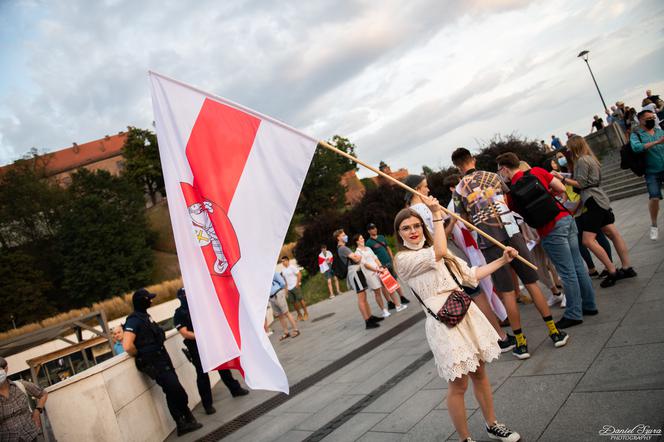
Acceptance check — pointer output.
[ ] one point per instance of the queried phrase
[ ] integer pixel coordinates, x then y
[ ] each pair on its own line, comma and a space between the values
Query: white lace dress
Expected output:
457, 350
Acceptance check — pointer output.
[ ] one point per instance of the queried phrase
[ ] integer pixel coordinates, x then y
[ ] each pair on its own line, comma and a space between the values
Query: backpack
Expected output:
339, 267
636, 161
534, 203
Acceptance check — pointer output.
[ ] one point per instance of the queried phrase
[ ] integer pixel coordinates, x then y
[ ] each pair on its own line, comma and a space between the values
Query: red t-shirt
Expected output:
545, 178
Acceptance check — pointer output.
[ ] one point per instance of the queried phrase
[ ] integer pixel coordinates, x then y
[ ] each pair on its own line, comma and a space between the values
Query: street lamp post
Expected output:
584, 56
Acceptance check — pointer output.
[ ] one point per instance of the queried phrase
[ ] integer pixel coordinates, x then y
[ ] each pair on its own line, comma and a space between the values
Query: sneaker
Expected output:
501, 432
604, 274
373, 318
507, 344
269, 333
624, 273
609, 281
405, 300
402, 307
589, 312
386, 314
390, 305
563, 303
521, 351
593, 274
239, 392
555, 299
567, 323
654, 233
331, 297
369, 324
469, 439
559, 339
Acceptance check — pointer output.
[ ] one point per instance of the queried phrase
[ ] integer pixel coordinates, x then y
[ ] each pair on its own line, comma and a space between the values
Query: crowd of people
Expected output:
556, 216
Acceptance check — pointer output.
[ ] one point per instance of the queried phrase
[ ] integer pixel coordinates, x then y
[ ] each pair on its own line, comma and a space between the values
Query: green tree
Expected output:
105, 240
23, 291
142, 162
530, 151
29, 203
426, 170
322, 189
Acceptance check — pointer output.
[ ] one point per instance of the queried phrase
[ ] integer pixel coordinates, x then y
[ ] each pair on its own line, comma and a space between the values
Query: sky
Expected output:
407, 82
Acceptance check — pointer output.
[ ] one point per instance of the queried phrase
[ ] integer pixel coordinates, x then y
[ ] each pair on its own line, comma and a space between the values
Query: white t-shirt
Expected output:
290, 275
324, 260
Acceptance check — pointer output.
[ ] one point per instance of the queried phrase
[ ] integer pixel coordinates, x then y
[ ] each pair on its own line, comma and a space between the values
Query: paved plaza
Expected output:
610, 373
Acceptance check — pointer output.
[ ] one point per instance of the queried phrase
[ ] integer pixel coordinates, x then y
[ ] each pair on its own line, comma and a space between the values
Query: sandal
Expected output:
295, 333
284, 336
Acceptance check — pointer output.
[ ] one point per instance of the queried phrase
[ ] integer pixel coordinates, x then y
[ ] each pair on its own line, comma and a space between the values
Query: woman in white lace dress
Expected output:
460, 352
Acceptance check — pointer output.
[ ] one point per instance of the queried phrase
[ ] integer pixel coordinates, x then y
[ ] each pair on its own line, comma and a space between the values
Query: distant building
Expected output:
103, 154
398, 174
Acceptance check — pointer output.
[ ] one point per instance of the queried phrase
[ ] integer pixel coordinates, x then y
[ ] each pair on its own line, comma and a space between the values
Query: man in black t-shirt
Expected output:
598, 124
182, 322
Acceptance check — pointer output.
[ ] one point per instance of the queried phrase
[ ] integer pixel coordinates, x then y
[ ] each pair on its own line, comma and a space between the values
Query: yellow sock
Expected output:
520, 338
552, 326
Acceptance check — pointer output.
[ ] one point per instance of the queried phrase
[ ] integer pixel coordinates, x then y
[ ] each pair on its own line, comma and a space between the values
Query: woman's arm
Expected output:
508, 255
439, 235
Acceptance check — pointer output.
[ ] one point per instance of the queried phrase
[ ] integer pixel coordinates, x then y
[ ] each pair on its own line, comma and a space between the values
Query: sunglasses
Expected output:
412, 227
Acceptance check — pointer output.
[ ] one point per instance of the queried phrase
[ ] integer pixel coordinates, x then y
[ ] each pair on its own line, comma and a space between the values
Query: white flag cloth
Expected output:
233, 177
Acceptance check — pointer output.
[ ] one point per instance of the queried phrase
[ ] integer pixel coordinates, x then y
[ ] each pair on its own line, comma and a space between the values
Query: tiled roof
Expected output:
80, 155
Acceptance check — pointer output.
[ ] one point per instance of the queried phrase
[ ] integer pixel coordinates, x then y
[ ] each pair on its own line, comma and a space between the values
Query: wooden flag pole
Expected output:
410, 189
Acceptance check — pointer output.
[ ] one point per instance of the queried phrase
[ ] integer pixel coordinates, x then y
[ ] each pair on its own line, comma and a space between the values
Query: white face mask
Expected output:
414, 246
3, 375
344, 238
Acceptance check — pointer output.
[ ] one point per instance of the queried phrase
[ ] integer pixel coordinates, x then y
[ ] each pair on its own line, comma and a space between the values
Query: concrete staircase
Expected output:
619, 183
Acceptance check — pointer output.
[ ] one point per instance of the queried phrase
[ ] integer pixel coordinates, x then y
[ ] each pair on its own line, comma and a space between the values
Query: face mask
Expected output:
3, 375
344, 238
650, 124
412, 246
562, 161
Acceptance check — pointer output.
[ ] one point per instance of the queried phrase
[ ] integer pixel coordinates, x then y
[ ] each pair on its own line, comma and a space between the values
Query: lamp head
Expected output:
584, 55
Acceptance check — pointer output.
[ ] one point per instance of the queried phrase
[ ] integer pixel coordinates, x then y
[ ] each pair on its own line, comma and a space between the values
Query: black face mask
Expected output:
650, 124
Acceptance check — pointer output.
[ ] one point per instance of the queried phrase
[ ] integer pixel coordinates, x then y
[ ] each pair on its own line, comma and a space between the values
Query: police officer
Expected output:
144, 339
182, 321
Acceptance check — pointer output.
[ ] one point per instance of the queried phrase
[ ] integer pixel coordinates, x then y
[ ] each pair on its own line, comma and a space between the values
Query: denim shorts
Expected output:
654, 181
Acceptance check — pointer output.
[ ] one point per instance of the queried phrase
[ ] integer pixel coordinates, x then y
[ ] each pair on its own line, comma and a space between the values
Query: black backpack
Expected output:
636, 161
339, 267
533, 202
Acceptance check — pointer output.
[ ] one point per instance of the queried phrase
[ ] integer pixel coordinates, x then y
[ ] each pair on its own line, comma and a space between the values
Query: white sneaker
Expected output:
654, 233
386, 314
563, 303
401, 307
555, 299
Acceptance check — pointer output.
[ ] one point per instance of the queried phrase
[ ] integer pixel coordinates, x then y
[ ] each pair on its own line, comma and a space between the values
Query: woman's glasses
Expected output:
413, 227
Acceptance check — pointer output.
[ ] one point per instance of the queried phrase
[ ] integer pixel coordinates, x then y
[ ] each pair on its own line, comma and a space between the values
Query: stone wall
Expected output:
113, 401
607, 141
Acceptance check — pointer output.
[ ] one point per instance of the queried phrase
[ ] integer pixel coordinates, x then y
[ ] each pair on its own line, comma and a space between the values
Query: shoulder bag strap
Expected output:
435, 316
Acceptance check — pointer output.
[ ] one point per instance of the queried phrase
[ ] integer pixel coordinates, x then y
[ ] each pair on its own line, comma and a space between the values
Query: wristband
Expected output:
437, 220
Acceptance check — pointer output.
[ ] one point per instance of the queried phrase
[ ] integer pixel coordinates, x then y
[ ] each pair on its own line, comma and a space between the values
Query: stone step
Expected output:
607, 175
626, 194
620, 187
630, 177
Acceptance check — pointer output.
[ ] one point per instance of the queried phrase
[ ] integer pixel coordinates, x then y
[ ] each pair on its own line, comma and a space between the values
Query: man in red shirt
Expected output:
559, 238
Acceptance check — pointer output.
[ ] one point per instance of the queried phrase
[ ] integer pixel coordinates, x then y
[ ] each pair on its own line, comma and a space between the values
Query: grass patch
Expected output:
314, 288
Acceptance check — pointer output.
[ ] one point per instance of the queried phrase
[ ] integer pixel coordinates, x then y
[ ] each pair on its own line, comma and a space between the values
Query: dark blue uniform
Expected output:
182, 318
153, 360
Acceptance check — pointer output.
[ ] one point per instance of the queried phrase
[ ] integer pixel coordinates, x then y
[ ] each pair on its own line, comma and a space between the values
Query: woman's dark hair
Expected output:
403, 215
354, 239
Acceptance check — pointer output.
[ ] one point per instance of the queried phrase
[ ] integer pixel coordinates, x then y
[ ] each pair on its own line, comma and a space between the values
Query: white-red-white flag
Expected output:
233, 177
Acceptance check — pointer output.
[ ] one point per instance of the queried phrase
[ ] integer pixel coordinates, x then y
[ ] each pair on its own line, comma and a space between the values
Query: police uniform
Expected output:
153, 360
182, 318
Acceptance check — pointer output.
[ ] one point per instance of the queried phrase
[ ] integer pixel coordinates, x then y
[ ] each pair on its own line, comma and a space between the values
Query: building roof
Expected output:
79, 155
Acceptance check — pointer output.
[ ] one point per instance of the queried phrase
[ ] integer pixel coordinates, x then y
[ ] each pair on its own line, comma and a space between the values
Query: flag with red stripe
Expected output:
233, 177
